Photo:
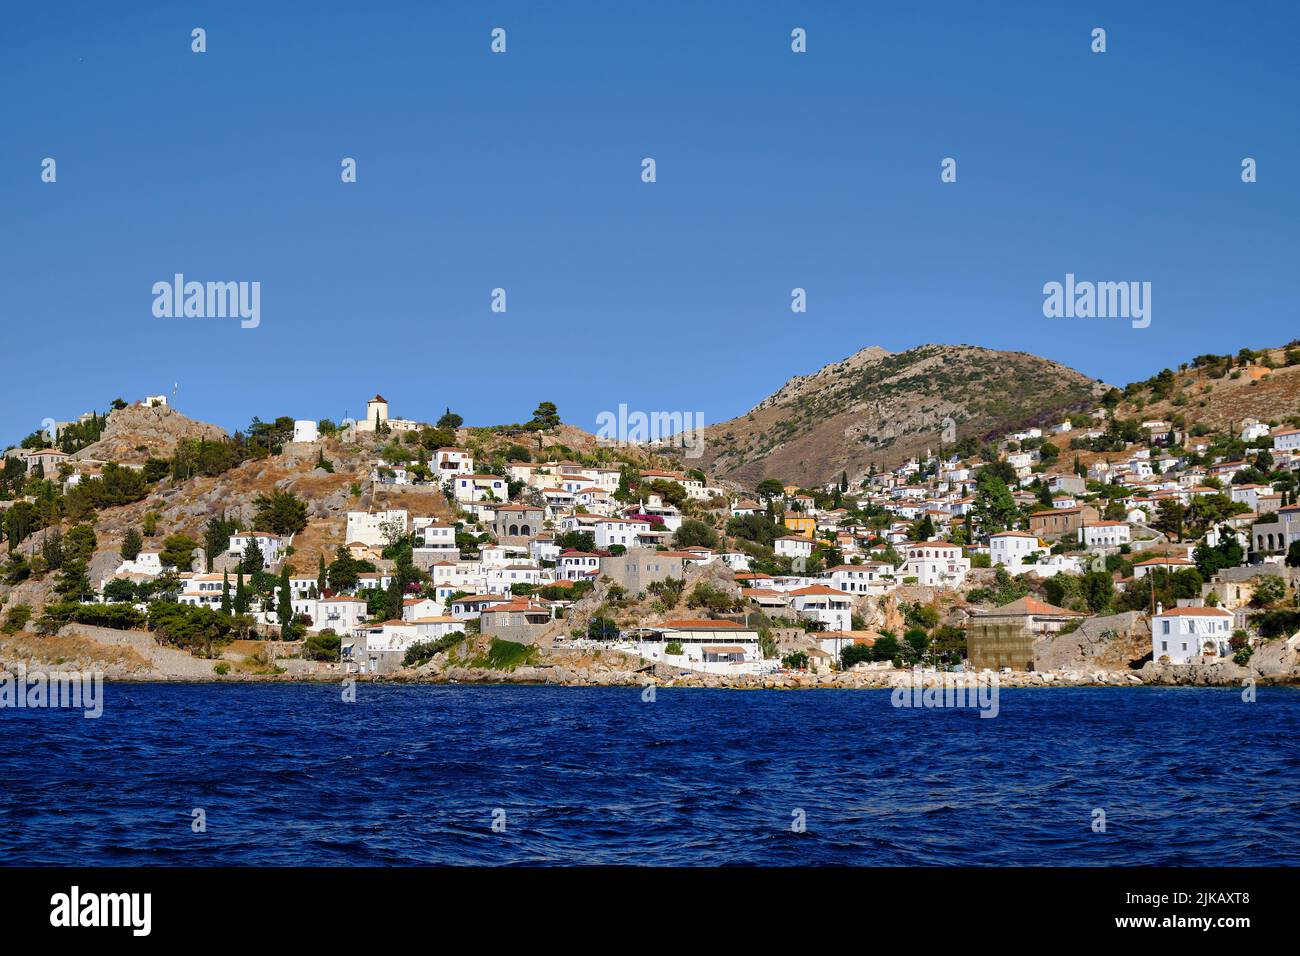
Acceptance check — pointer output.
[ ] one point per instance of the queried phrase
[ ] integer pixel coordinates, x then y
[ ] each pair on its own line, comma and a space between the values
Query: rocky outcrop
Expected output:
138, 432
1112, 642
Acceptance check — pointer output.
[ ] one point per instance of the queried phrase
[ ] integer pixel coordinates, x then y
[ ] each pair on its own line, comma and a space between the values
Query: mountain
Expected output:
881, 408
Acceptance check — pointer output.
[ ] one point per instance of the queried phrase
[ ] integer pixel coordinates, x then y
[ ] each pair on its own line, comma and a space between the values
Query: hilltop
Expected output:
135, 433
880, 408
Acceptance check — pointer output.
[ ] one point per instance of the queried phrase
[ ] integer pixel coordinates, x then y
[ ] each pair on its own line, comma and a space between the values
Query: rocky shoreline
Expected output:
134, 657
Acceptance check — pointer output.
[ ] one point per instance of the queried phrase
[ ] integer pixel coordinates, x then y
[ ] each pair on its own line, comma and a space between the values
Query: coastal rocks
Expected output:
1278, 659
1219, 674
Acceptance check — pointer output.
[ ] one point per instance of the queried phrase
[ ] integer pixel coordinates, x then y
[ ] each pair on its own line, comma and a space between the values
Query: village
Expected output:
1013, 556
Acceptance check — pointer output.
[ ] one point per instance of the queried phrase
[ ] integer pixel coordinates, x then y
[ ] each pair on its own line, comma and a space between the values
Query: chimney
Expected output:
1160, 608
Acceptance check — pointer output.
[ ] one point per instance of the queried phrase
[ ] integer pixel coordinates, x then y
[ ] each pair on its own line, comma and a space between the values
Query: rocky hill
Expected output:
879, 407
134, 433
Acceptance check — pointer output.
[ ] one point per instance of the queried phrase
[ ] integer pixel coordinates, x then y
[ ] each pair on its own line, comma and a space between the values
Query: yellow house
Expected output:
803, 525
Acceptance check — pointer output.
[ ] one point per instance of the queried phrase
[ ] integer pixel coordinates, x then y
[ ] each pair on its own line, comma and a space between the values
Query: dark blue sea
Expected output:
291, 774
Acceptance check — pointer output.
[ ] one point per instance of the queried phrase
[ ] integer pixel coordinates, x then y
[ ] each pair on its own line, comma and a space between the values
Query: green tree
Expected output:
281, 512
251, 560
178, 551
694, 533
242, 601
284, 604
995, 509
546, 417
216, 536
132, 542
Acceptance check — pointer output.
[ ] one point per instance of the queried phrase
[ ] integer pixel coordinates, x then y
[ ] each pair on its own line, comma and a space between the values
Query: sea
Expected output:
278, 774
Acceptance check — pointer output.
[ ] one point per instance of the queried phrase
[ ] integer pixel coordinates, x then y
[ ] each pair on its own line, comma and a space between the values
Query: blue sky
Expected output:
522, 171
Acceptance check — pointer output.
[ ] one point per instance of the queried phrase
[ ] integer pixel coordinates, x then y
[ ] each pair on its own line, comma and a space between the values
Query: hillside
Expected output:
880, 408
1219, 396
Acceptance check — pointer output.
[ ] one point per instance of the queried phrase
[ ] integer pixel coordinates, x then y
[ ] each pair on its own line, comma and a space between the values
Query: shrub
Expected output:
322, 646
16, 619
424, 651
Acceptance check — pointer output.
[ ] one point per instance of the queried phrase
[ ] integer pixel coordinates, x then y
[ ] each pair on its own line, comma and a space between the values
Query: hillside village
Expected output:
1106, 544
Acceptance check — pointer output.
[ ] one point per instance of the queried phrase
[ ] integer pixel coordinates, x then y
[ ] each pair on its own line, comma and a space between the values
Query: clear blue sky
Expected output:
775, 170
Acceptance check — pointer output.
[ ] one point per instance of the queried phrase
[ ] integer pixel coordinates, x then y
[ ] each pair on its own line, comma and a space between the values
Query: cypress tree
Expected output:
225, 592
241, 594
286, 597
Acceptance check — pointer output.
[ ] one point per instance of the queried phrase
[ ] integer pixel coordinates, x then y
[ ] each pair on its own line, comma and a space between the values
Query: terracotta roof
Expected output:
1031, 605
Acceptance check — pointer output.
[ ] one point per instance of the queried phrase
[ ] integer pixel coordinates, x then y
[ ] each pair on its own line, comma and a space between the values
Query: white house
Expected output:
1104, 534
1187, 635
480, 488
829, 606
793, 546
717, 647
1011, 549
146, 562
1252, 430
431, 533
577, 566
376, 528
624, 531
1168, 565
341, 614
935, 563
453, 461
1287, 440
873, 578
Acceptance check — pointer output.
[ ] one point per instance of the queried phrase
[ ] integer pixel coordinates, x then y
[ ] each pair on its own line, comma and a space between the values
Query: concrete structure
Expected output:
640, 567
305, 431
515, 524
1061, 521
522, 621
1277, 535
